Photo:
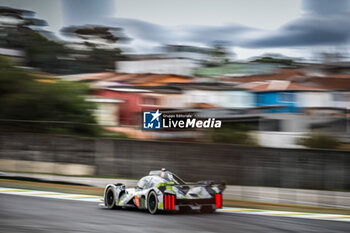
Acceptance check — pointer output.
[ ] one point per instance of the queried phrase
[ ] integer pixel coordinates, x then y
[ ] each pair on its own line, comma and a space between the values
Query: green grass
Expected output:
226, 69
65, 188
88, 176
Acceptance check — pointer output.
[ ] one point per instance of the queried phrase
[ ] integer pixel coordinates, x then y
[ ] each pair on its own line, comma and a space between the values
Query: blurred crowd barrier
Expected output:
304, 197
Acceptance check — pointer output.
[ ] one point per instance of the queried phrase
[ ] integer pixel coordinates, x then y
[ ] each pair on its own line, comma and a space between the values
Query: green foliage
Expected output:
53, 56
218, 56
238, 134
282, 61
220, 70
109, 134
319, 140
37, 106
44, 54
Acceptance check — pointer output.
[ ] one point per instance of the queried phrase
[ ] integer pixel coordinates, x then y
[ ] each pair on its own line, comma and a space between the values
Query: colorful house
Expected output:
282, 96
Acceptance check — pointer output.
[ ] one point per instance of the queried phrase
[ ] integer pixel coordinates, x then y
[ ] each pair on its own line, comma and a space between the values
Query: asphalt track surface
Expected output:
37, 214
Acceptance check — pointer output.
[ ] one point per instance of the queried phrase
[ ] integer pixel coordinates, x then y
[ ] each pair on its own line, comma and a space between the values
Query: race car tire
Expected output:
152, 202
110, 199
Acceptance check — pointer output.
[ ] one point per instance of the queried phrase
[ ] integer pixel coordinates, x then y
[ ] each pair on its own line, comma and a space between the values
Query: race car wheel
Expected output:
152, 203
110, 199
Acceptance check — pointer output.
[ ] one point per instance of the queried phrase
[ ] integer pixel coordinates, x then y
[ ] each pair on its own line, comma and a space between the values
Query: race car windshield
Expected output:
173, 178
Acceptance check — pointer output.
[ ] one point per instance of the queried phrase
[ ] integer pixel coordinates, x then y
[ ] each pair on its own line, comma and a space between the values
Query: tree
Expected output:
20, 30
233, 133
218, 54
26, 104
319, 140
99, 43
94, 35
275, 60
16, 26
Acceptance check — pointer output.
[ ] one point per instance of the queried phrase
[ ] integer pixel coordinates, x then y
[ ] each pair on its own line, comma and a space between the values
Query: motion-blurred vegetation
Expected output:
319, 140
43, 50
235, 134
272, 60
31, 103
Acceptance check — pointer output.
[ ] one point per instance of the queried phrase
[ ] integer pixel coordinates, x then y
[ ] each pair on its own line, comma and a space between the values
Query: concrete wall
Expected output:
278, 139
317, 198
237, 165
306, 197
314, 99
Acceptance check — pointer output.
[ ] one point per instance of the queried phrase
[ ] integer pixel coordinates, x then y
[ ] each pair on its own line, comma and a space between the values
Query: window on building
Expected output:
270, 125
260, 99
287, 97
341, 96
150, 100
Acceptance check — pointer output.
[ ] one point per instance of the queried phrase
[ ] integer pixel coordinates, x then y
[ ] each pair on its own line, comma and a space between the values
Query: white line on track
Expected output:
49, 194
333, 217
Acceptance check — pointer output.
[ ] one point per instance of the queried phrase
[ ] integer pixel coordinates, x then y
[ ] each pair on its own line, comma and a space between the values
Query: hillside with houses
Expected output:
279, 106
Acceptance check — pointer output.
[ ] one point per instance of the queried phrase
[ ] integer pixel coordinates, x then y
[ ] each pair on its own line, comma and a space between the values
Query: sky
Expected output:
296, 28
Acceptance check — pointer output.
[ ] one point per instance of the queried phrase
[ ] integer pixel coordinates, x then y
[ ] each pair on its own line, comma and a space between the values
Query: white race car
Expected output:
162, 190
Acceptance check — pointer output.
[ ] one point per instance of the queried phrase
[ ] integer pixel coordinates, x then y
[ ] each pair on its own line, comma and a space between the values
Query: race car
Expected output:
162, 190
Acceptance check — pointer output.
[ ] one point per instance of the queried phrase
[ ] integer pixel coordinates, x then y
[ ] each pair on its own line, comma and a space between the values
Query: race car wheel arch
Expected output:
110, 199
152, 202
121, 193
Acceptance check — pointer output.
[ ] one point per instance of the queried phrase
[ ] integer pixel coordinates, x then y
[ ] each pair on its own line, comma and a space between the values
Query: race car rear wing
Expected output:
220, 187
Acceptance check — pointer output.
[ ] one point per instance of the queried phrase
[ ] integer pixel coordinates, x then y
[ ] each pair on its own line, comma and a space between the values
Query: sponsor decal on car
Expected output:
137, 201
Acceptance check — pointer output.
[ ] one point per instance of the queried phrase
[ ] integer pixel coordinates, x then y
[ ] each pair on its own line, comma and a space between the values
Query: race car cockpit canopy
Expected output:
166, 175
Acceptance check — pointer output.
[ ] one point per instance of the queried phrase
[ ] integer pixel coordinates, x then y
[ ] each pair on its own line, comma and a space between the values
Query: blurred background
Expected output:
75, 76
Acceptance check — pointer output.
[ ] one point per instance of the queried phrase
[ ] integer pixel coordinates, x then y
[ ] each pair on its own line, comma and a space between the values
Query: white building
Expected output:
158, 66
314, 99
221, 98
107, 110
341, 99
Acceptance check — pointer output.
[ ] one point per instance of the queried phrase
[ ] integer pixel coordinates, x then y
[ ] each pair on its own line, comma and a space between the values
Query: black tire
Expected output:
110, 199
152, 202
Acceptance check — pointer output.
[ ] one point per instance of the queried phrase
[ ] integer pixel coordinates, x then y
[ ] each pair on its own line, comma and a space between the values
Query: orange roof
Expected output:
145, 79
282, 74
331, 83
203, 105
121, 77
92, 76
278, 85
159, 78
340, 76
